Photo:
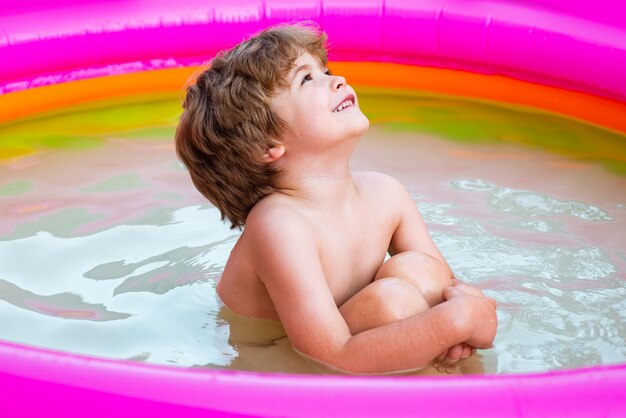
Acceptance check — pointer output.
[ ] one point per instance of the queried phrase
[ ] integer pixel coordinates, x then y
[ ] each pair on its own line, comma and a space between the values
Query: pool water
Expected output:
106, 248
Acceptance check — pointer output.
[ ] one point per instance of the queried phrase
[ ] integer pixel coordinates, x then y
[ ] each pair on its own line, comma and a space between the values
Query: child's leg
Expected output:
405, 285
384, 301
424, 272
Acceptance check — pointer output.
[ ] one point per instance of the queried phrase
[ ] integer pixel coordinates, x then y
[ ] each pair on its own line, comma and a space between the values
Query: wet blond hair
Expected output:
228, 124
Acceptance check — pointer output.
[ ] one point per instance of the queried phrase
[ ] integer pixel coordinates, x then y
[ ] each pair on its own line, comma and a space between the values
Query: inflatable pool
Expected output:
567, 58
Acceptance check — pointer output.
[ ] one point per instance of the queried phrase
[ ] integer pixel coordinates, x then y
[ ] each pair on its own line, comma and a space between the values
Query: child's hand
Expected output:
449, 358
472, 290
477, 313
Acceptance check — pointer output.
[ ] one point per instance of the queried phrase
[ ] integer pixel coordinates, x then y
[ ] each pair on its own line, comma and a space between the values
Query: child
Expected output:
266, 134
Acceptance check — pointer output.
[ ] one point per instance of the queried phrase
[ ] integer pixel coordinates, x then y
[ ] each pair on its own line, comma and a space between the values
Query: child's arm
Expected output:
411, 233
288, 262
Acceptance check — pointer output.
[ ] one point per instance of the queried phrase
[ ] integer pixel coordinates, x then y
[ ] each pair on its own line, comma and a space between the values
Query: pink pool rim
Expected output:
570, 45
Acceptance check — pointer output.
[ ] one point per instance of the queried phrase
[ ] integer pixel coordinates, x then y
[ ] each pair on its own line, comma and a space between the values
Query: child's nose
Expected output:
338, 82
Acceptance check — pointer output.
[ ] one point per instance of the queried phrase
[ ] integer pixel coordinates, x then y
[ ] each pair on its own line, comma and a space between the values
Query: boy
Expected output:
266, 134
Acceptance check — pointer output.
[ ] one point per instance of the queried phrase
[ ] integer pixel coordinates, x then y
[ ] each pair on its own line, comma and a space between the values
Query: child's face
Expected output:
320, 109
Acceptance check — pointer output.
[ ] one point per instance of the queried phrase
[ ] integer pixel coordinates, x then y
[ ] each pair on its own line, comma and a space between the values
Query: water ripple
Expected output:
528, 204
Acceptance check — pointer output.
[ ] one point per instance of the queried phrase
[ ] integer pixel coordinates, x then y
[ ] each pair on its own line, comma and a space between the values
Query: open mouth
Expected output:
346, 103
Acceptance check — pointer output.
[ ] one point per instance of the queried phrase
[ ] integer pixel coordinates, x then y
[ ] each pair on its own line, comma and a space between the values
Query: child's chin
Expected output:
361, 123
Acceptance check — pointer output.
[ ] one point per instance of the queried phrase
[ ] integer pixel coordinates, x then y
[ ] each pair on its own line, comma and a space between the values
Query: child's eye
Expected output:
306, 78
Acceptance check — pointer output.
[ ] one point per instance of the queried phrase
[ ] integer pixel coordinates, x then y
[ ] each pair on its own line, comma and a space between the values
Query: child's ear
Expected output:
274, 153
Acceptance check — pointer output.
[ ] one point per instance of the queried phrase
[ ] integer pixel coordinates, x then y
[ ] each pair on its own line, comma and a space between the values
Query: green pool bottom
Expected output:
463, 121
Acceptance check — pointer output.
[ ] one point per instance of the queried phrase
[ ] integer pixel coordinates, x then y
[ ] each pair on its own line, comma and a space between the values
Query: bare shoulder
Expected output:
377, 179
382, 185
276, 227
276, 215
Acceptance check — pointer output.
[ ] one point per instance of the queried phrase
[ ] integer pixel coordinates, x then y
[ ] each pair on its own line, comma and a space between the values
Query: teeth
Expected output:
344, 105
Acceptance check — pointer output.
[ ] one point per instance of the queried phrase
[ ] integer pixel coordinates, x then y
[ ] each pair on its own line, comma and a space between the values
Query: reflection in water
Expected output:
261, 345
122, 261
62, 305
164, 272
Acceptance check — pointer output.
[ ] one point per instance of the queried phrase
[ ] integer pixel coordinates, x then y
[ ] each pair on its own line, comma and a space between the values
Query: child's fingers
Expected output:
467, 351
462, 288
448, 359
469, 289
439, 360
455, 353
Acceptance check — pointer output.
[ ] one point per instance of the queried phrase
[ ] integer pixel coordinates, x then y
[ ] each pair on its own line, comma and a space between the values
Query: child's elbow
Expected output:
358, 363
355, 358
333, 358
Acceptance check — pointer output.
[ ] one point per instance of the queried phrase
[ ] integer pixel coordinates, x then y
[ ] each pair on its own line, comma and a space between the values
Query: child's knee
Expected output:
382, 302
397, 299
406, 264
429, 275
